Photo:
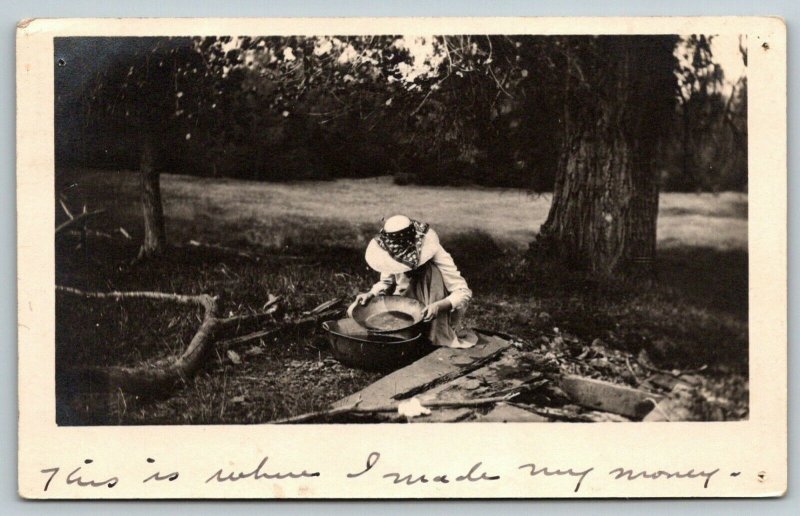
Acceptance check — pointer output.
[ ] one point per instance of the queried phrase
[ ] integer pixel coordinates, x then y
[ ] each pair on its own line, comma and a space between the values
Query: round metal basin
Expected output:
389, 314
355, 346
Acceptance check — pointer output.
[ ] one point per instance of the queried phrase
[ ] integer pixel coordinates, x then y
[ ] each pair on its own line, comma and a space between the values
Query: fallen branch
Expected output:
556, 414
250, 318
356, 409
166, 373
324, 306
224, 249
503, 335
200, 299
630, 369
250, 255
677, 373
66, 210
78, 219
90, 232
292, 324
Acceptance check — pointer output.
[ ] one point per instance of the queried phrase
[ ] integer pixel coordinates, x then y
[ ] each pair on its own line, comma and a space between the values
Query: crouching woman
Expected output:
413, 263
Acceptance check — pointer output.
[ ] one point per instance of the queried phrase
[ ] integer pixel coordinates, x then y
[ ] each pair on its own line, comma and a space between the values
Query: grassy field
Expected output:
274, 213
312, 235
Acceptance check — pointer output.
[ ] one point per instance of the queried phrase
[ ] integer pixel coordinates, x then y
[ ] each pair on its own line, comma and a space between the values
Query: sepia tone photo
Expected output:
401, 229
329, 258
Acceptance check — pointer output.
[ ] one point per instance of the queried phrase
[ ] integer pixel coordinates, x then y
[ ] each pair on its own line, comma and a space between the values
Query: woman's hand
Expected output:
432, 310
361, 299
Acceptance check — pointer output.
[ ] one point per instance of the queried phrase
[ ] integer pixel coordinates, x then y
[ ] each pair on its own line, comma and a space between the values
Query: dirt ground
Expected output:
309, 238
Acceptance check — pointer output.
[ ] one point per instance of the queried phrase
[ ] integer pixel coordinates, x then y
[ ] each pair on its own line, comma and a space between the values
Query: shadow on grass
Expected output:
706, 277
694, 313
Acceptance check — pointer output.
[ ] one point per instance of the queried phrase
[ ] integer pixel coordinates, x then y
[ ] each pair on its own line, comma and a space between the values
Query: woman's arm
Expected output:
385, 283
460, 294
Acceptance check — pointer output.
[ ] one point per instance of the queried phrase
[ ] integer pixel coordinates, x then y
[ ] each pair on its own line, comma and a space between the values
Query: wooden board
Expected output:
609, 397
444, 416
441, 364
502, 374
503, 413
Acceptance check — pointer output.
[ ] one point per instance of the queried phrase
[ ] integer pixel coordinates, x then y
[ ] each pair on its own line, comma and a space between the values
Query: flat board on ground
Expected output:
443, 361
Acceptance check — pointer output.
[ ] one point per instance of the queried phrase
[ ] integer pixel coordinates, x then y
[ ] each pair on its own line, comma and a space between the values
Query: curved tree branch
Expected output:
166, 373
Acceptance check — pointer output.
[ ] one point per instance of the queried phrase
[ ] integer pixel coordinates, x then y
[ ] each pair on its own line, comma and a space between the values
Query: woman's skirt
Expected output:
427, 286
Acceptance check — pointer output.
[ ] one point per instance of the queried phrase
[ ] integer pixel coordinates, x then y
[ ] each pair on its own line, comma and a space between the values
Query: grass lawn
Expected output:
312, 237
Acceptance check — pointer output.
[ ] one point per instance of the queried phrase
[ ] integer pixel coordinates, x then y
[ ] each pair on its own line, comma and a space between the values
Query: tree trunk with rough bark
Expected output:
155, 239
605, 201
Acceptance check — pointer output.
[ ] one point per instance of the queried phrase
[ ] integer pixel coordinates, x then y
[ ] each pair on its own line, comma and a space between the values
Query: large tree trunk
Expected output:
605, 200
603, 215
155, 239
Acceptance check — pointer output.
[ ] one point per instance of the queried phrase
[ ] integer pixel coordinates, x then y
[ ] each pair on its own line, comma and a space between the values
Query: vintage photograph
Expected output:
400, 228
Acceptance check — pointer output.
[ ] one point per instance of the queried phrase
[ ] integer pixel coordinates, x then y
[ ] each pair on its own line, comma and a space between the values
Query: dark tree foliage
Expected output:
486, 110
709, 151
151, 95
280, 108
600, 121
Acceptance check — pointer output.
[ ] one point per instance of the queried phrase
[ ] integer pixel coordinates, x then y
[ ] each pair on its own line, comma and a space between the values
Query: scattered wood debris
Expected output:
550, 379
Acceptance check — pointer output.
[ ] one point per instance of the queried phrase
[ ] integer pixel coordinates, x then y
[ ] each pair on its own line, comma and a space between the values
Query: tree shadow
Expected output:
706, 277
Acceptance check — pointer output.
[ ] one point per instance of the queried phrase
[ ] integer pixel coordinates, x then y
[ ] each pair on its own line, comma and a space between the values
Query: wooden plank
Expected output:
442, 364
480, 382
503, 413
609, 397
489, 380
443, 416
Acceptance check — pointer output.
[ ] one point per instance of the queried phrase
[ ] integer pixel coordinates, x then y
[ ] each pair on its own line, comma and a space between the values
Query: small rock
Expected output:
237, 399
234, 357
544, 316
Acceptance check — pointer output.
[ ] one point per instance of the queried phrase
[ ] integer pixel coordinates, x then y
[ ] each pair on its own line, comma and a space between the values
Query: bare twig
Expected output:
675, 374
296, 323
324, 306
628, 365
250, 318
222, 248
247, 338
90, 232
556, 414
503, 335
66, 210
201, 299
81, 218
